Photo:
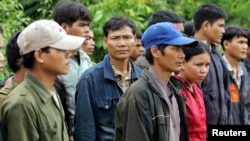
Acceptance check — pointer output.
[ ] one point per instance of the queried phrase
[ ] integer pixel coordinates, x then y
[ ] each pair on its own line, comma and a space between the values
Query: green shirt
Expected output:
6, 90
29, 113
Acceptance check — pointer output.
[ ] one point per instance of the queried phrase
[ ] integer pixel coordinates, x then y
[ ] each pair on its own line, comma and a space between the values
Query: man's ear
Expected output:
65, 27
226, 44
206, 25
39, 55
154, 51
105, 42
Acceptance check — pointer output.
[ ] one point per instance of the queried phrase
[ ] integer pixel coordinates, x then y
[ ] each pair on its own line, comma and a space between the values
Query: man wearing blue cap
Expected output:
152, 109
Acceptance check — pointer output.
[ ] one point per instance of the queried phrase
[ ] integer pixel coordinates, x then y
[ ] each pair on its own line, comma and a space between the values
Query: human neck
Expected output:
46, 79
164, 75
202, 37
121, 65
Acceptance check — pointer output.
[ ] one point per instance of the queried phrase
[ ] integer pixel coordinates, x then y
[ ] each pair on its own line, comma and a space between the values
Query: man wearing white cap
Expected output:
152, 108
33, 111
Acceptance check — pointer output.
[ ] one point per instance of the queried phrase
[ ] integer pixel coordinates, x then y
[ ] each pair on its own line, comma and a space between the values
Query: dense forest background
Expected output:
16, 14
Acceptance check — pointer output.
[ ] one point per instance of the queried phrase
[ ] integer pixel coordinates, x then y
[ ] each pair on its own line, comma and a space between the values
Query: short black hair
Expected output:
207, 12
28, 59
248, 36
12, 53
116, 23
232, 31
149, 56
190, 50
164, 16
68, 12
138, 34
189, 28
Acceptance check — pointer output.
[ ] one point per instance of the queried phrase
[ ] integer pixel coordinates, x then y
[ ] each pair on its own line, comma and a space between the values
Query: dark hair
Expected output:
68, 12
231, 32
189, 28
248, 36
207, 12
1, 29
12, 53
116, 23
28, 59
62, 92
138, 34
164, 16
191, 50
149, 55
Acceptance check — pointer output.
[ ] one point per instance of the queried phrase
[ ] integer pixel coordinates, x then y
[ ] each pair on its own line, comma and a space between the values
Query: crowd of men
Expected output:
167, 83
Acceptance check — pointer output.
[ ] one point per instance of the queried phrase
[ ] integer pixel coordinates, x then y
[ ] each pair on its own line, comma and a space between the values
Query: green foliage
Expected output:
237, 11
186, 8
12, 20
136, 10
15, 15
38, 9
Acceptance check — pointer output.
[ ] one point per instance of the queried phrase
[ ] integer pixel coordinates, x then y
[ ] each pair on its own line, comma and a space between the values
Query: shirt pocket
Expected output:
106, 108
48, 130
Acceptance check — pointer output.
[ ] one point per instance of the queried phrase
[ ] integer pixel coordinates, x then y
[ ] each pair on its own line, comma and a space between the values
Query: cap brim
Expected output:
182, 41
69, 42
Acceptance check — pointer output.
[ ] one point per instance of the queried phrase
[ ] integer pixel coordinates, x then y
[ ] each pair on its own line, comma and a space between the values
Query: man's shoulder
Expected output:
21, 90
7, 89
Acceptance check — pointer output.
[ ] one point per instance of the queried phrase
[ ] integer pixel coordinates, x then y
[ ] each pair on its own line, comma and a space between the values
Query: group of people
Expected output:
160, 85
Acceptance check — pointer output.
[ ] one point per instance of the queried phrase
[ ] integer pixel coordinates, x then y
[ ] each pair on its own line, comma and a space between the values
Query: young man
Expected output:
152, 108
101, 86
167, 16
33, 111
209, 22
234, 44
89, 45
75, 19
14, 60
158, 17
246, 61
138, 49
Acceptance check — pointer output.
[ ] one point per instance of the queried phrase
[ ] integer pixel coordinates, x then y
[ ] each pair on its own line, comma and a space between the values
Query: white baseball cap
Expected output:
47, 33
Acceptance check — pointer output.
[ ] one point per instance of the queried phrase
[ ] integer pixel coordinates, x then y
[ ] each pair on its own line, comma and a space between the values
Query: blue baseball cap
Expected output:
164, 33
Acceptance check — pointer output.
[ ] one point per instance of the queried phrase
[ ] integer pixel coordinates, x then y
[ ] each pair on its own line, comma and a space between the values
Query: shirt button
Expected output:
106, 107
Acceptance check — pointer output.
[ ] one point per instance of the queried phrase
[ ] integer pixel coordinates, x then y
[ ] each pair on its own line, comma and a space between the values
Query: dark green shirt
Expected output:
6, 90
29, 113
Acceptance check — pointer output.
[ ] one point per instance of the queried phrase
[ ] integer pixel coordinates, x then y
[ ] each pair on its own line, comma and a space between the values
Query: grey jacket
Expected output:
143, 114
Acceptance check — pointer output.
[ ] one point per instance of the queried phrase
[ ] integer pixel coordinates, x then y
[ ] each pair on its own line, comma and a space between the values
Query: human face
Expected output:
1, 54
138, 50
196, 69
248, 52
60, 64
215, 31
236, 48
78, 28
171, 60
120, 43
89, 44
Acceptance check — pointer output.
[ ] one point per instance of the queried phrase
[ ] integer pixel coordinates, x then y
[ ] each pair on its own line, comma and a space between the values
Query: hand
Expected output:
71, 138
